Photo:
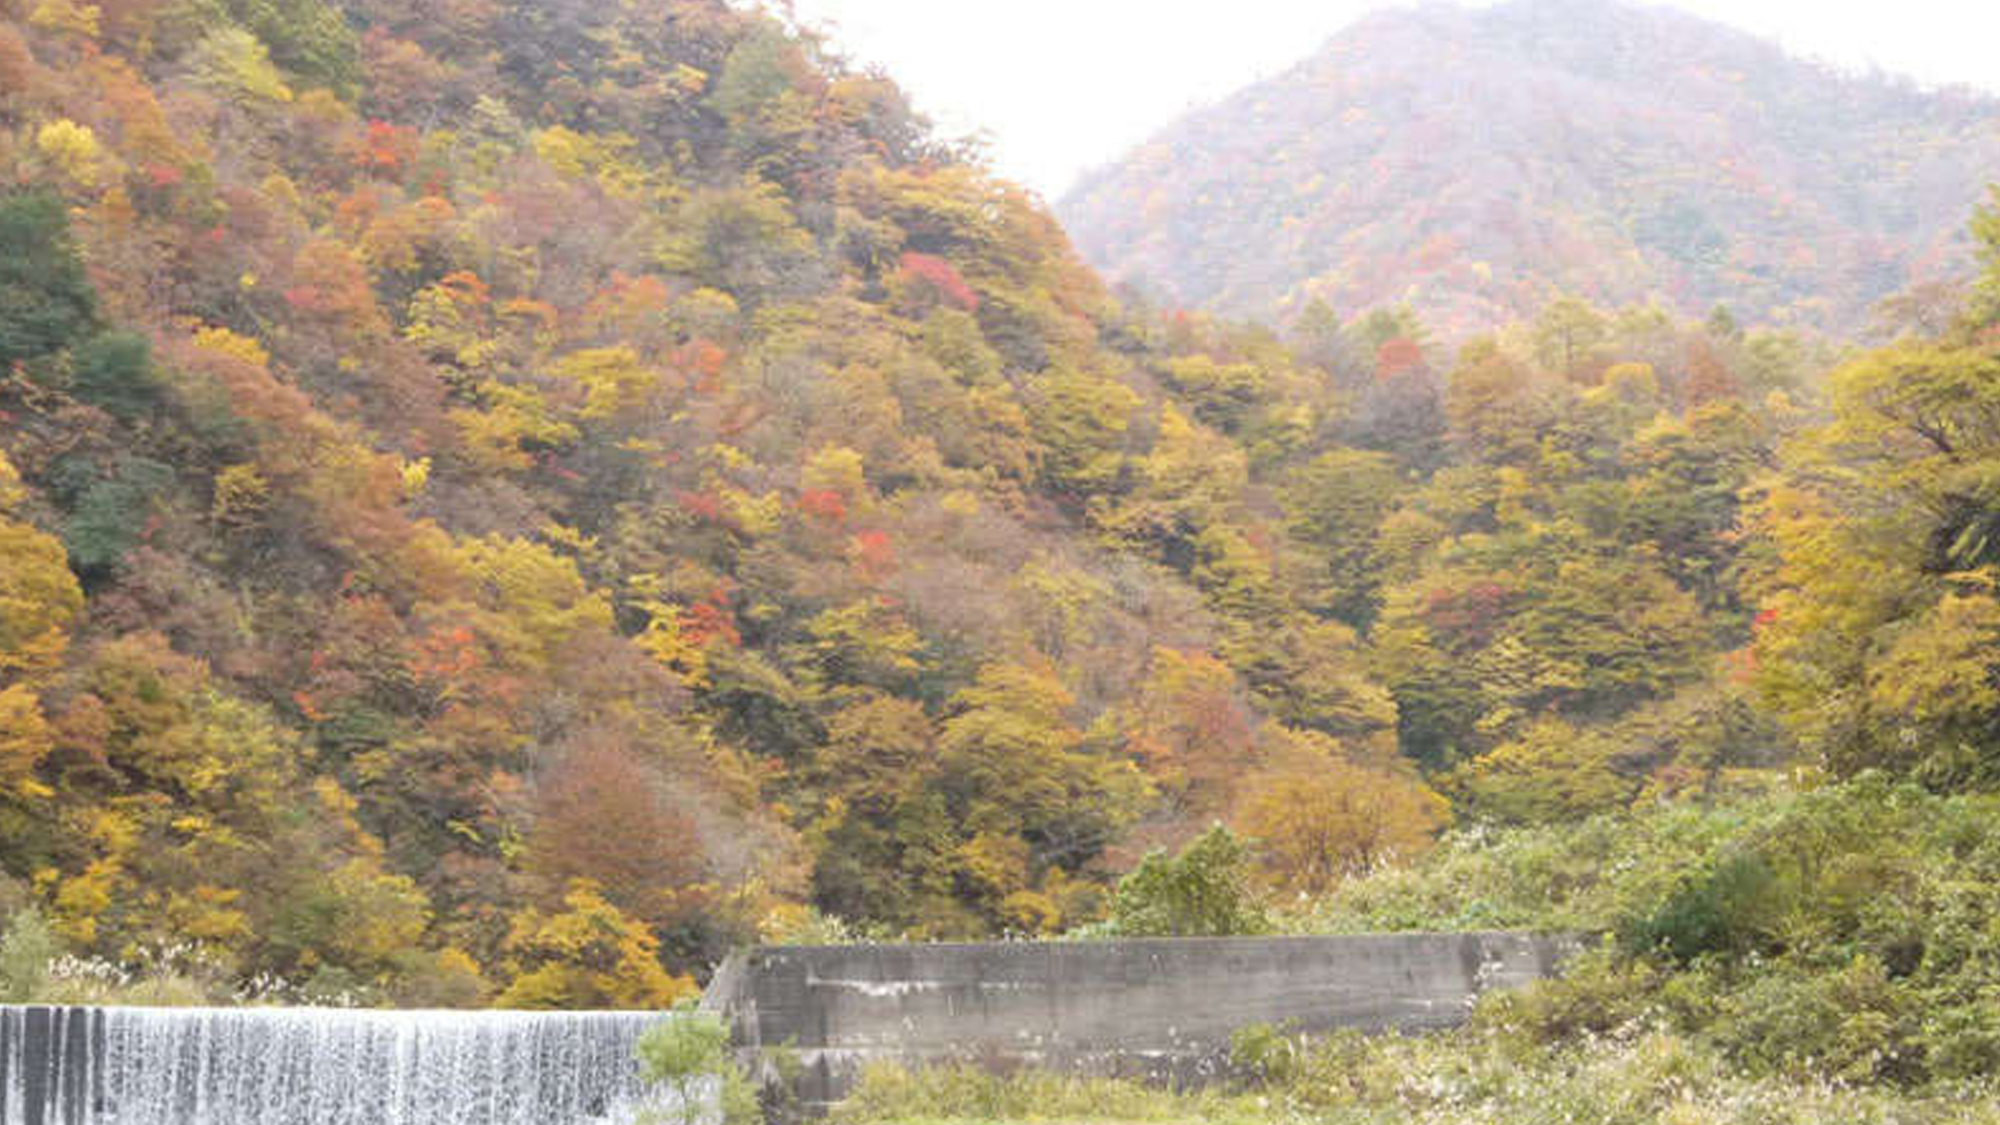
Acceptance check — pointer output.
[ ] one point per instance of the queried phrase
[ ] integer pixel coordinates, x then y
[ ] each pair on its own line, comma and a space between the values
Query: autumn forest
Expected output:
504, 500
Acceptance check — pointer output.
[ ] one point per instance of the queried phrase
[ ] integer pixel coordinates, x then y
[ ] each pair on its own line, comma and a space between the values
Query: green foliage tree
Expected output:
744, 240
1549, 772
232, 61
1080, 422
1568, 334
687, 1053
1984, 310
758, 94
1336, 504
109, 511
1202, 892
114, 370
46, 301
1014, 765
310, 38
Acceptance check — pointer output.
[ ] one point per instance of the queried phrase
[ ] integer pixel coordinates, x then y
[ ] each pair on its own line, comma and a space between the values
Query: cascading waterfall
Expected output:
305, 1066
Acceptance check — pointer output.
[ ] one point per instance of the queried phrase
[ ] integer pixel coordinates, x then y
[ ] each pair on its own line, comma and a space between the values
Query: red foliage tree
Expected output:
712, 619
386, 150
17, 65
605, 813
874, 555
1708, 377
823, 504
701, 505
702, 360
1397, 356
941, 277
1467, 617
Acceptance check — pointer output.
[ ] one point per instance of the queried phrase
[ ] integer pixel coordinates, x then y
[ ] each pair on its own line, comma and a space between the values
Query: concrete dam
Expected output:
1161, 1009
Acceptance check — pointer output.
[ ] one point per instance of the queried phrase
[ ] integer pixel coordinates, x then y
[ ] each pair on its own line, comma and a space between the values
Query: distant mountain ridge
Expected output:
1472, 162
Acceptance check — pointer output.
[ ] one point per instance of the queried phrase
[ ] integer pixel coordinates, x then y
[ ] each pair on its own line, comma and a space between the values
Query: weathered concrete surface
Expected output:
1163, 1009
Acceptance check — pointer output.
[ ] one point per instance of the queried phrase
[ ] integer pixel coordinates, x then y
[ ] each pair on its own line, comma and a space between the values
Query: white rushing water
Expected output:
302, 1066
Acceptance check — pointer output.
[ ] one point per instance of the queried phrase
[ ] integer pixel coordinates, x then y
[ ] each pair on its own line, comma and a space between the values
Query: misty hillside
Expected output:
1471, 162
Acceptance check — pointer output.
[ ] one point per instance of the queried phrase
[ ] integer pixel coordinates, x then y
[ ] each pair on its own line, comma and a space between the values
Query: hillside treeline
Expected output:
502, 500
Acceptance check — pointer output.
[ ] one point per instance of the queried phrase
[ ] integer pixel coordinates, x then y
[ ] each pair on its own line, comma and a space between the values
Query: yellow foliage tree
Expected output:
1319, 816
836, 468
535, 600
1015, 765
667, 641
232, 61
514, 425
73, 150
613, 380
590, 956
450, 320
68, 17
1549, 772
39, 598
25, 740
606, 158
1191, 726
241, 497
235, 345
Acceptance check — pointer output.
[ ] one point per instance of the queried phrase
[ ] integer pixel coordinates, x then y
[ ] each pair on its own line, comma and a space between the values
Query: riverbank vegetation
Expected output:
1811, 959
1640, 1077
1844, 940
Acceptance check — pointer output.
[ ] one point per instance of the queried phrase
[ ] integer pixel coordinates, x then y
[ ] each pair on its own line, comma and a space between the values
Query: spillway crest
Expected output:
289, 1066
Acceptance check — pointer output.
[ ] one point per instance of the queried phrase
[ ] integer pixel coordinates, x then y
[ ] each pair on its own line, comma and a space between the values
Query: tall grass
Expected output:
1474, 1077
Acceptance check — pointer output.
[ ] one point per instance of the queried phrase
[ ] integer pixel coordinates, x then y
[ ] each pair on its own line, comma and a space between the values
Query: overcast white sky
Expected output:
1059, 86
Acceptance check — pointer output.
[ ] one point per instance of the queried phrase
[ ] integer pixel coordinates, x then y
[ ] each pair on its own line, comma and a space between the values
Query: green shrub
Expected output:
1849, 933
25, 952
1266, 1054
1599, 992
1726, 909
686, 1053
1586, 876
1203, 892
1851, 1024
1961, 1041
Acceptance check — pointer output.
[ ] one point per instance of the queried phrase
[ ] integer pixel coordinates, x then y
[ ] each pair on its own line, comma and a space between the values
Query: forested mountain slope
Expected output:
501, 499
504, 499
1473, 162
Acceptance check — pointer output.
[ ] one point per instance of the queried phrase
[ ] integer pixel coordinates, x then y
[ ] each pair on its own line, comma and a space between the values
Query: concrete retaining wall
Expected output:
1162, 1009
